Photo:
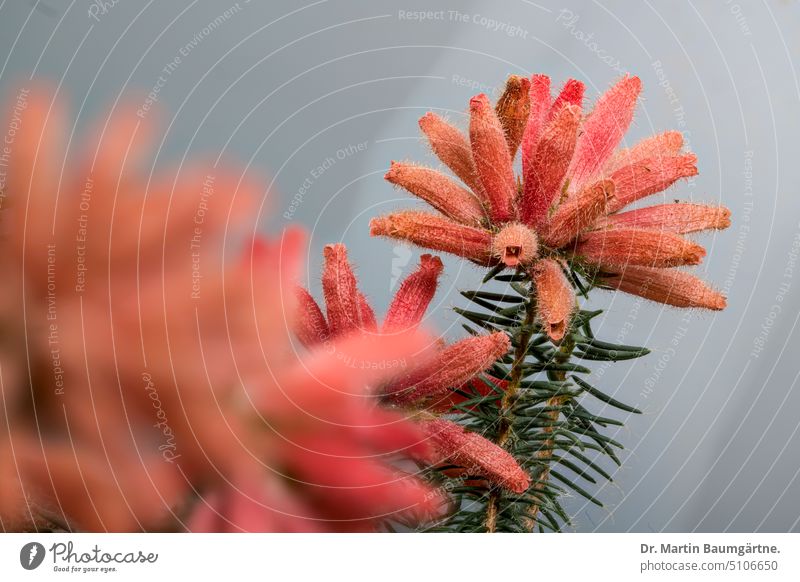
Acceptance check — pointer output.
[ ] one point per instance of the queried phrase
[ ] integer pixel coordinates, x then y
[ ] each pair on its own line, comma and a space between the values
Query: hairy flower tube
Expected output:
427, 389
151, 384
568, 208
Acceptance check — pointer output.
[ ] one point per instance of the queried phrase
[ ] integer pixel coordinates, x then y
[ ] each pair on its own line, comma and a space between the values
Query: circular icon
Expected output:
31, 555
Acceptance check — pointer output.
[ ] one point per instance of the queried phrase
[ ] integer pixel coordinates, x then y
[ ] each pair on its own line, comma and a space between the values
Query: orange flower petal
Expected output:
648, 176
663, 145
619, 248
577, 214
453, 149
680, 218
436, 233
668, 286
603, 130
512, 109
540, 106
451, 367
341, 293
492, 159
555, 298
439, 191
477, 454
549, 164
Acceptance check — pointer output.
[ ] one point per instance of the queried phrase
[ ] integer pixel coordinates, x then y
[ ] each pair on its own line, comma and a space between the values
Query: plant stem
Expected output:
505, 415
545, 455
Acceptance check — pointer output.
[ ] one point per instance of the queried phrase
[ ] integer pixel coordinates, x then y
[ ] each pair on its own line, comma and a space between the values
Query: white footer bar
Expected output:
406, 557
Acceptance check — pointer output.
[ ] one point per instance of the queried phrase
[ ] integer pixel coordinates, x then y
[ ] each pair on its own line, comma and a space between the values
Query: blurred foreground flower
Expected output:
565, 208
431, 388
148, 382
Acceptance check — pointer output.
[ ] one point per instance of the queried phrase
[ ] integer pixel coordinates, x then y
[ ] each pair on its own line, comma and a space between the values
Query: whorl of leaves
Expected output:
554, 433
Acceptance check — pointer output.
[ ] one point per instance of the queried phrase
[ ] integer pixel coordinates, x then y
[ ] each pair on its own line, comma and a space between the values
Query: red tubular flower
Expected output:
603, 130
680, 218
649, 176
578, 213
490, 151
549, 164
426, 388
439, 191
513, 108
341, 294
476, 454
556, 300
663, 145
668, 286
405, 312
450, 146
574, 184
540, 102
413, 297
648, 248
175, 379
435, 233
452, 366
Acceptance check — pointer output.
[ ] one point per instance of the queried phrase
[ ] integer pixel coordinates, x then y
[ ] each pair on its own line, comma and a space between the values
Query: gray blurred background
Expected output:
283, 86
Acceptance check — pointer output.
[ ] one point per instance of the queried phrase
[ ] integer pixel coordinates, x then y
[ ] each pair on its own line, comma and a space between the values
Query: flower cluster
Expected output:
568, 207
428, 389
149, 382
